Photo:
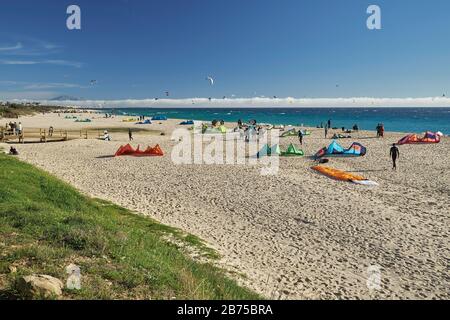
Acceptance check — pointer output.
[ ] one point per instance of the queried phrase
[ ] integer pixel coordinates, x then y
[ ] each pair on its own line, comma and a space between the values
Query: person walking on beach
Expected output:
395, 154
130, 134
326, 131
300, 136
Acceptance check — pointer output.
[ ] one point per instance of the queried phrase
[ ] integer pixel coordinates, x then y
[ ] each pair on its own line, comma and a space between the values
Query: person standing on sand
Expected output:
130, 134
395, 154
326, 131
300, 136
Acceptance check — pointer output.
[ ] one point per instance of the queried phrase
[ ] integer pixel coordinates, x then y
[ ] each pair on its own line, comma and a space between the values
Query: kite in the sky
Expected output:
211, 80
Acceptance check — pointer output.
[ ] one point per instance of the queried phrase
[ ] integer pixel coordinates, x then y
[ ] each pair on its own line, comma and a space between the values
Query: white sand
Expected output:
297, 235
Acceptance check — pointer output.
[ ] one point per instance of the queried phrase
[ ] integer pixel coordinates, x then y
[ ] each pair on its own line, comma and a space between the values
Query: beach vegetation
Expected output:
46, 225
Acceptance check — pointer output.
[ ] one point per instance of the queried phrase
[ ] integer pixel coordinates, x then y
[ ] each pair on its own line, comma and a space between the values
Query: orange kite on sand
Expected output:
343, 176
128, 150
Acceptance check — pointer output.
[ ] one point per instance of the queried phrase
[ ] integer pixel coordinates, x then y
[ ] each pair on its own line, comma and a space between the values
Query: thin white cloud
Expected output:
12, 48
27, 86
40, 86
35, 62
257, 102
9, 83
64, 63
18, 62
26, 46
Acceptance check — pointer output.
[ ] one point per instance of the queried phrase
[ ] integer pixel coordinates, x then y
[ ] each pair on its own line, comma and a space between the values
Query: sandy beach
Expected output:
295, 235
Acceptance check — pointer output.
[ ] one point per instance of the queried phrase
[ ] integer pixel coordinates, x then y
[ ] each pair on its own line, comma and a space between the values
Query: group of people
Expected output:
380, 130
14, 128
13, 151
251, 130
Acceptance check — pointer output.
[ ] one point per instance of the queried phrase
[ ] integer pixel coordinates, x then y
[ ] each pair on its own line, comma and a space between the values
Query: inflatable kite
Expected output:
289, 133
219, 130
429, 137
268, 151
292, 151
187, 123
128, 150
336, 150
144, 122
293, 133
343, 176
159, 118
129, 120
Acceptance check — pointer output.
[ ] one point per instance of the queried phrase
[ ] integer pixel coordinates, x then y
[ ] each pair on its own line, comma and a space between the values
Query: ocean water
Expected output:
414, 120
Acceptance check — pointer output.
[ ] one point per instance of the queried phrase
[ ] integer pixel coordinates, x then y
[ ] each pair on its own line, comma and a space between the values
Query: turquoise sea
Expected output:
414, 120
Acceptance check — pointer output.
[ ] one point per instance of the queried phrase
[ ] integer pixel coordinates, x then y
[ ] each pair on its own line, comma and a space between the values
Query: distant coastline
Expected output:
253, 102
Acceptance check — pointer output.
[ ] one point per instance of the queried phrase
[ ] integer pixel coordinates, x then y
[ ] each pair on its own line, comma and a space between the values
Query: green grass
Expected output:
16, 110
46, 224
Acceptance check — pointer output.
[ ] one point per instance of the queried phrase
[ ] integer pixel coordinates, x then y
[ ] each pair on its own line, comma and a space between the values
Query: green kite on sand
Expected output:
292, 151
268, 151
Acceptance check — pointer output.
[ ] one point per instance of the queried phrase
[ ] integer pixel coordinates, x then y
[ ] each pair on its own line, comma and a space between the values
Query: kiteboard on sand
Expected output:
344, 176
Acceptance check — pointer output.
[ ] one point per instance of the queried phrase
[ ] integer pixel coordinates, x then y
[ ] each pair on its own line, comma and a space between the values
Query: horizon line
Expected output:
254, 102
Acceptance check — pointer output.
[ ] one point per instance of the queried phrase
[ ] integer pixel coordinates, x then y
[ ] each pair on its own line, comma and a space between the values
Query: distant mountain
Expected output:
65, 98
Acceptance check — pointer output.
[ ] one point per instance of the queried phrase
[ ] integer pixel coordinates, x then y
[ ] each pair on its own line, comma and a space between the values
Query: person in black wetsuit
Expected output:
300, 136
130, 134
395, 154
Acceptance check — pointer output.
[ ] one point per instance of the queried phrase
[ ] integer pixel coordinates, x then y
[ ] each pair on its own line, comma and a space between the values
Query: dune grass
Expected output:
15, 110
46, 224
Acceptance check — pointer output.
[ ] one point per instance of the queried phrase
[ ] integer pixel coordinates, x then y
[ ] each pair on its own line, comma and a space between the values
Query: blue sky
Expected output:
140, 49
